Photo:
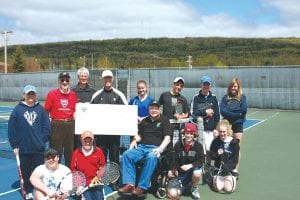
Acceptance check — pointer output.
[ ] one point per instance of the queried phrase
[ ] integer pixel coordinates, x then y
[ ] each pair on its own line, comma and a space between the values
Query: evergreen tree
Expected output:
18, 60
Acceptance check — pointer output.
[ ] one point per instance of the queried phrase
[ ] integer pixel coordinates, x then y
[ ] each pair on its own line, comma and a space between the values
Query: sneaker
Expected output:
195, 193
29, 196
138, 192
127, 189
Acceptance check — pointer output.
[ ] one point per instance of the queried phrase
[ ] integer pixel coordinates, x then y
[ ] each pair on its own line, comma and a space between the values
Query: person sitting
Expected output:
224, 151
154, 135
191, 159
46, 177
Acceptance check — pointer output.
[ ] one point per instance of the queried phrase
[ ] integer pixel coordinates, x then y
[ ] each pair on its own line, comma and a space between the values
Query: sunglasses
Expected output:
50, 157
65, 80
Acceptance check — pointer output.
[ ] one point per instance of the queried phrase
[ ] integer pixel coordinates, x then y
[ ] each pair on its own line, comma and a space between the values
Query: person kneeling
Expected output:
225, 151
191, 158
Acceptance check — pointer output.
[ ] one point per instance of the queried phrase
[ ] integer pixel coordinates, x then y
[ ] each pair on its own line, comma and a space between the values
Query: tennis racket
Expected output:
106, 175
203, 106
179, 107
23, 192
233, 104
70, 185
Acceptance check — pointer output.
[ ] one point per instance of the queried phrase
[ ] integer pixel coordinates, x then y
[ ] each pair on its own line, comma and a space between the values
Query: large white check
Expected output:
106, 119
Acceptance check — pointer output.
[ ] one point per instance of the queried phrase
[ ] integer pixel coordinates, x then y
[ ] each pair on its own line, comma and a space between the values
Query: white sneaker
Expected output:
195, 193
29, 196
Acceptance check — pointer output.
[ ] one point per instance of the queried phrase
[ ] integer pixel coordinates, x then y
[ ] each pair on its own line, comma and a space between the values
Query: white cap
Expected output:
107, 73
179, 78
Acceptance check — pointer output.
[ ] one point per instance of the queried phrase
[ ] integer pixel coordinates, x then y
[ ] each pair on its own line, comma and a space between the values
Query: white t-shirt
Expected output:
52, 178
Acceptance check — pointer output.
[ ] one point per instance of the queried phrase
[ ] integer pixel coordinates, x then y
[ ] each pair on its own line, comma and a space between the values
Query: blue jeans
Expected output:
129, 160
94, 193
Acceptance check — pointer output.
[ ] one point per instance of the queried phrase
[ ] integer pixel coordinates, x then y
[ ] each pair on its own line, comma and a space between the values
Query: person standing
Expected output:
142, 100
46, 177
210, 115
174, 104
154, 135
88, 159
28, 133
61, 104
84, 94
236, 116
109, 95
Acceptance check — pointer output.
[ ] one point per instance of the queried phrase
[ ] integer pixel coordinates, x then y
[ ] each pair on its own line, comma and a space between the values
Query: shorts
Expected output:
237, 128
208, 137
186, 177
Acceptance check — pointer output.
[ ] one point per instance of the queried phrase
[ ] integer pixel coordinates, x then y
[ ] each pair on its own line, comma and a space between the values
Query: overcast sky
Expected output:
40, 21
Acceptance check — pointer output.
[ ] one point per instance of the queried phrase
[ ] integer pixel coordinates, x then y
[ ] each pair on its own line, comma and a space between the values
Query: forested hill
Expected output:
165, 52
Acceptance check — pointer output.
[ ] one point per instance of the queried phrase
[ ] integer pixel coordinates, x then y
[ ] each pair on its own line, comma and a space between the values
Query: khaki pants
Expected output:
62, 139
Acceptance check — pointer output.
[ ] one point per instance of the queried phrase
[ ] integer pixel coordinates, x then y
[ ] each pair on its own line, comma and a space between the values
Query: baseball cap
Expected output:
87, 134
64, 75
29, 88
50, 153
155, 103
107, 73
179, 78
190, 127
206, 79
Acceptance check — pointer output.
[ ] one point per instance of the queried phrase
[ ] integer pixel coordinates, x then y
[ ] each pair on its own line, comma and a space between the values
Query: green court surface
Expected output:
270, 165
270, 161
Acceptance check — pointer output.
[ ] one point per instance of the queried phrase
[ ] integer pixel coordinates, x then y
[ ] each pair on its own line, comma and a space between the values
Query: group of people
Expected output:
32, 125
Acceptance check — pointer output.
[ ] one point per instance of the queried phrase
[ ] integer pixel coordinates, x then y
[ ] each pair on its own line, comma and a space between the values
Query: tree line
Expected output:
154, 52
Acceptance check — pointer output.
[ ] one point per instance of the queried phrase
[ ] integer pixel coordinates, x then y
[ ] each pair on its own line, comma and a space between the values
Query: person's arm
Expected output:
162, 146
39, 185
137, 138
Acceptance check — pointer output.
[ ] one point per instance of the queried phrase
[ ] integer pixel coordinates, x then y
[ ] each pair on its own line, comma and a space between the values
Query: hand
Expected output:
186, 167
157, 151
220, 151
133, 144
172, 173
16, 151
209, 112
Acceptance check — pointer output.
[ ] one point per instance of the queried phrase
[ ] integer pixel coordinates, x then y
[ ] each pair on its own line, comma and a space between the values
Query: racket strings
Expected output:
111, 174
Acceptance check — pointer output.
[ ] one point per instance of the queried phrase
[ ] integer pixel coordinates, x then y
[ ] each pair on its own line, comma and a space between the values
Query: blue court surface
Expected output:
9, 185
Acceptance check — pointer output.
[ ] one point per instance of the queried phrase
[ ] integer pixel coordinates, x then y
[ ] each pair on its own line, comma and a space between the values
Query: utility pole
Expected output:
5, 34
189, 61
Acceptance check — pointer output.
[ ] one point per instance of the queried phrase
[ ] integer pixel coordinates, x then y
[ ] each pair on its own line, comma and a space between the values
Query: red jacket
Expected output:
88, 165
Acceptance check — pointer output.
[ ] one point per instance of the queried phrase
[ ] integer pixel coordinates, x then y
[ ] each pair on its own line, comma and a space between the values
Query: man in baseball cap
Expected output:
107, 73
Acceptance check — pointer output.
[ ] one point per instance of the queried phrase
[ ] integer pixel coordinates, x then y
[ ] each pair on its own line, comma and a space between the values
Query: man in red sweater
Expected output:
61, 103
88, 159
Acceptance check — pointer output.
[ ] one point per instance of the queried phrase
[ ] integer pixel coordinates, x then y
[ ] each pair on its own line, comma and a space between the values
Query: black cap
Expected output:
64, 75
155, 103
50, 153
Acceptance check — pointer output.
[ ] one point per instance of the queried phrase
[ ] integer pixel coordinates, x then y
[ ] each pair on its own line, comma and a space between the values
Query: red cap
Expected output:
190, 127
86, 134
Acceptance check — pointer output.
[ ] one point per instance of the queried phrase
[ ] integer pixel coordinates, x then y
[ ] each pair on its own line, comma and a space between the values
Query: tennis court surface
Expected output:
269, 167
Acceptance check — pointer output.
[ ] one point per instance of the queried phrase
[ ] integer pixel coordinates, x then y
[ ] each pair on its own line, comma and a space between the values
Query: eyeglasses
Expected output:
50, 157
65, 80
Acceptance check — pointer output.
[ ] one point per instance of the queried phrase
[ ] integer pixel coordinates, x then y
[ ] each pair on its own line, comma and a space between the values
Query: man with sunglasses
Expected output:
61, 103
28, 132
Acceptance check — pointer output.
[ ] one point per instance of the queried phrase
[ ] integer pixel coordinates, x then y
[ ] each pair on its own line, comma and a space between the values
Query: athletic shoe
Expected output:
195, 193
29, 196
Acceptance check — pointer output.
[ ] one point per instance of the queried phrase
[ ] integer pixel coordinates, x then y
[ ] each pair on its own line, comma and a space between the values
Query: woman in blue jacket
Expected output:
233, 107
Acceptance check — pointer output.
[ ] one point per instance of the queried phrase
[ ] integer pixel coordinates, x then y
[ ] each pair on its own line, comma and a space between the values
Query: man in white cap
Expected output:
174, 105
109, 95
28, 132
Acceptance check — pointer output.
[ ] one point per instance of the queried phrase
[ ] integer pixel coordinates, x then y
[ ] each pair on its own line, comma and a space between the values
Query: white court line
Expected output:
253, 113
10, 191
274, 115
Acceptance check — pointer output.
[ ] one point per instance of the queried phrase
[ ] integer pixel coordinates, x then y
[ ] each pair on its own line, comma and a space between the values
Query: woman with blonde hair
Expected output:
224, 151
233, 107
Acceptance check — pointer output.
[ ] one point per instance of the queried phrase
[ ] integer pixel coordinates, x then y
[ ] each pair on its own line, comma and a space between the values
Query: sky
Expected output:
42, 21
